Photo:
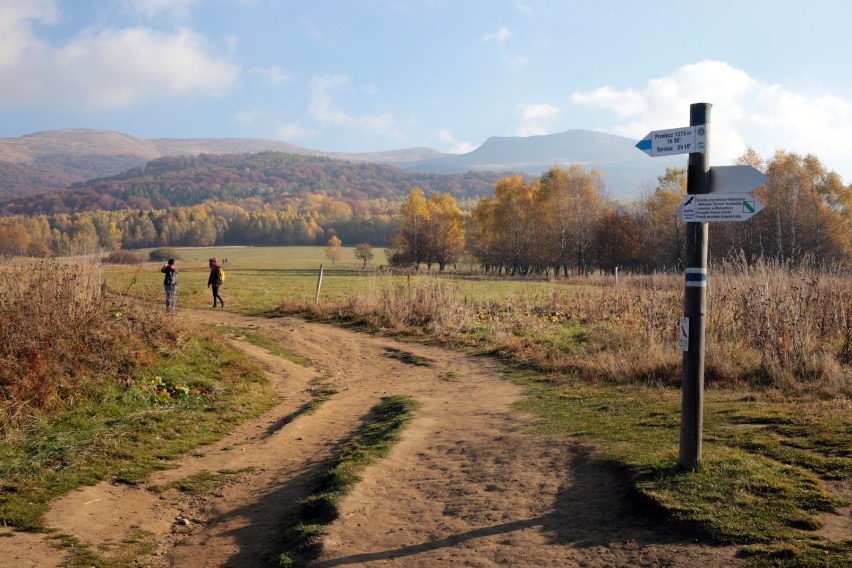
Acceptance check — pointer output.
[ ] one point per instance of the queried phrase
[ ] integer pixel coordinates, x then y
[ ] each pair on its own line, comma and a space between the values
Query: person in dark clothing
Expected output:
170, 283
215, 280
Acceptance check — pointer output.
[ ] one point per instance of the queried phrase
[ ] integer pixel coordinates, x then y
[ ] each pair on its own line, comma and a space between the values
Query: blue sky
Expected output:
373, 75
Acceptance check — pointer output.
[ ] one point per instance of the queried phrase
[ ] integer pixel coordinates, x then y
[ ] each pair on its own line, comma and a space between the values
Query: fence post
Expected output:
319, 285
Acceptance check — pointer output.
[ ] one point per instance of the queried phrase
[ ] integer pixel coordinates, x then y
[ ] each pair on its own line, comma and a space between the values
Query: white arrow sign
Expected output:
686, 140
710, 207
735, 179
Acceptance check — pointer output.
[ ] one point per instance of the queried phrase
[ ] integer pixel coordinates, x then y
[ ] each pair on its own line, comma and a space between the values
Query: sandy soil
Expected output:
466, 485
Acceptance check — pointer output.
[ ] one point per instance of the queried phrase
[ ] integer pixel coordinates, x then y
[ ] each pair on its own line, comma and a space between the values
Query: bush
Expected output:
162, 255
61, 335
123, 257
38, 249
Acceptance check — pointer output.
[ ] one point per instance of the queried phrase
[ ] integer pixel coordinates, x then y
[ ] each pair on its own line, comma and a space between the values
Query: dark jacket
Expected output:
170, 274
214, 279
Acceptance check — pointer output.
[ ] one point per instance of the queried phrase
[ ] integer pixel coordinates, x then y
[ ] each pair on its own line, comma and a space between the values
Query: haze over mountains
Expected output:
46, 161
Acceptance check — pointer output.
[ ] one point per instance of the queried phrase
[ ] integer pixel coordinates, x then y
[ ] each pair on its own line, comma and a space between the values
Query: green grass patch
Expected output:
204, 481
118, 555
407, 357
264, 342
760, 479
371, 442
300, 539
191, 397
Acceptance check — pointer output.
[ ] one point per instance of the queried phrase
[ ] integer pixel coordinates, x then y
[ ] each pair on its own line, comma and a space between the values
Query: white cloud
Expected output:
324, 110
248, 116
273, 75
537, 119
293, 132
524, 9
515, 59
453, 145
153, 8
16, 39
500, 36
312, 30
745, 112
105, 68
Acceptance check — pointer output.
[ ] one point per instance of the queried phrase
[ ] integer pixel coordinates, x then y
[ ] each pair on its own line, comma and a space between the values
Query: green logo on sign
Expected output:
748, 207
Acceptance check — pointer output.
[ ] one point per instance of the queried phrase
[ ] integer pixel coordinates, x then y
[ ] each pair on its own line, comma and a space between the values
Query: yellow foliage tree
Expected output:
333, 252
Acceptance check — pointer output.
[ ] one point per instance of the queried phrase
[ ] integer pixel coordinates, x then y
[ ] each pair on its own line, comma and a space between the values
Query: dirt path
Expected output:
464, 487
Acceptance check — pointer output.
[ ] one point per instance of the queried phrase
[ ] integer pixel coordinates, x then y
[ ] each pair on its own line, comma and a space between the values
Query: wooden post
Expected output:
319, 285
695, 301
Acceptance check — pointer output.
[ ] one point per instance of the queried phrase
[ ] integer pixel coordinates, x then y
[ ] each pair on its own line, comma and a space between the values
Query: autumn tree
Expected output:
364, 252
617, 240
747, 239
446, 230
513, 214
13, 240
807, 212
333, 251
804, 200
481, 236
569, 204
109, 235
430, 231
663, 239
412, 237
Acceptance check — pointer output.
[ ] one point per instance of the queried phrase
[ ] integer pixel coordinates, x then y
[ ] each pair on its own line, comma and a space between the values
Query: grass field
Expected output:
261, 278
601, 362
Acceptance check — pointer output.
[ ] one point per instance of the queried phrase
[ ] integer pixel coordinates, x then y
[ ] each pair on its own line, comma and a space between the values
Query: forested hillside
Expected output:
562, 222
269, 178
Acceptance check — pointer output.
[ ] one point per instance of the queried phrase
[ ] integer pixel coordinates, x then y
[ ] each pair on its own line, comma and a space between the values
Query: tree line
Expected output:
559, 223
214, 223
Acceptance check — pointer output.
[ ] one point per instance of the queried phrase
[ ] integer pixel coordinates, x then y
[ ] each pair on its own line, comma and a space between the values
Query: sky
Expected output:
376, 75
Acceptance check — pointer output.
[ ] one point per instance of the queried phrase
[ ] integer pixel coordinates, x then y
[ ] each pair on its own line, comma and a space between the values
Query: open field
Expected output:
598, 365
261, 278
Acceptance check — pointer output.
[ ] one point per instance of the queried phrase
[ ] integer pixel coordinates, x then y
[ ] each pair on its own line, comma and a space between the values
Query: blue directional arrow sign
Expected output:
735, 179
685, 140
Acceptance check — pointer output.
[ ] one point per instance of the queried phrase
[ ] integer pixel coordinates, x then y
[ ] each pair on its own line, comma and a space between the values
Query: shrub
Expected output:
38, 249
60, 334
123, 257
162, 255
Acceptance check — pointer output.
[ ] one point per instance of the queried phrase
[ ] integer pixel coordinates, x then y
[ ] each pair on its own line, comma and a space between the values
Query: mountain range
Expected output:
53, 160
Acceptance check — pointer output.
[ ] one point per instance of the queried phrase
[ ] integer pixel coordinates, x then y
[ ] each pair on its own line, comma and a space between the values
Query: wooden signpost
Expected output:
713, 194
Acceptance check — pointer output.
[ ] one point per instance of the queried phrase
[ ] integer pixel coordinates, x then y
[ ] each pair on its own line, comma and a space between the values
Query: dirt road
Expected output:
467, 485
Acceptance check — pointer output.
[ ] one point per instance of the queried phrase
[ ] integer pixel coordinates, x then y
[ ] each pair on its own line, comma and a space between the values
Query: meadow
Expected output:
600, 358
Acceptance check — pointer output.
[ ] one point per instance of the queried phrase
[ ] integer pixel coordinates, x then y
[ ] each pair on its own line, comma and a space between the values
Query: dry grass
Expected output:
769, 327
60, 335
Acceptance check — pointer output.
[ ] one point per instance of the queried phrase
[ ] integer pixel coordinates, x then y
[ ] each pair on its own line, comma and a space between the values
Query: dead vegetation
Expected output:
61, 335
769, 326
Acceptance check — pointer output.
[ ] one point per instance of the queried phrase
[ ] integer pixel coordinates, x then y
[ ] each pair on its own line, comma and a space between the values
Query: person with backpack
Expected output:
170, 283
217, 276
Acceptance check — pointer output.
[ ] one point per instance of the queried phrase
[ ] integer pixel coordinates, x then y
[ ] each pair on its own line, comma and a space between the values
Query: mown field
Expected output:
601, 361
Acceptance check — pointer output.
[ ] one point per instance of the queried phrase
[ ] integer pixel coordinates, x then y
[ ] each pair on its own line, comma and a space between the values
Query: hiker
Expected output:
215, 280
170, 283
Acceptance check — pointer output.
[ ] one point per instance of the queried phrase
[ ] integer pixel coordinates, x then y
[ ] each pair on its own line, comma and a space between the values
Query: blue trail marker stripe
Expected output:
644, 144
696, 277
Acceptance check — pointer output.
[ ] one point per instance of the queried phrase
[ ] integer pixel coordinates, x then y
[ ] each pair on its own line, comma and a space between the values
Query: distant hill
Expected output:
270, 178
53, 160
626, 170
48, 161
